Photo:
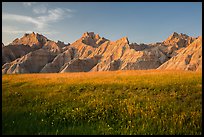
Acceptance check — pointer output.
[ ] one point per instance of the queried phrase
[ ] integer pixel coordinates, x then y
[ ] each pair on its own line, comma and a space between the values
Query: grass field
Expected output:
119, 102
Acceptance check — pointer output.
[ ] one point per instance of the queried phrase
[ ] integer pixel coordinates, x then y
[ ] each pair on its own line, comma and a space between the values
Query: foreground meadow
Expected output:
119, 102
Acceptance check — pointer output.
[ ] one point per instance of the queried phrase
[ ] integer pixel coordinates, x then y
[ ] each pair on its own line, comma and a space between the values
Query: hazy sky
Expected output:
66, 21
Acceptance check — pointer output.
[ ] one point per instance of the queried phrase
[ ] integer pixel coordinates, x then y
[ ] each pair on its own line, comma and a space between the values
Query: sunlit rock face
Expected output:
34, 53
188, 58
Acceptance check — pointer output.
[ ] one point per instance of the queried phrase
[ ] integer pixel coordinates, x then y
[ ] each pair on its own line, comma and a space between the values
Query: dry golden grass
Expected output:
104, 76
117, 102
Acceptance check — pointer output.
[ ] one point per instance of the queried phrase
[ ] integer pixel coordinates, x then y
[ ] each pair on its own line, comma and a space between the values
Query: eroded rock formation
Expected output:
34, 53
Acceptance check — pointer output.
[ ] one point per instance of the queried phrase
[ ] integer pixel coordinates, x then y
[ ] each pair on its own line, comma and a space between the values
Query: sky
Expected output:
141, 22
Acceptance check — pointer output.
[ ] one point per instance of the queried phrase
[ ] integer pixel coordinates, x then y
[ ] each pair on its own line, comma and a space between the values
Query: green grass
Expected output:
119, 102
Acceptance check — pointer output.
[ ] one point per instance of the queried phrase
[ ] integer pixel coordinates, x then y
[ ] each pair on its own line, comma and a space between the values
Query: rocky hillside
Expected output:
34, 53
189, 58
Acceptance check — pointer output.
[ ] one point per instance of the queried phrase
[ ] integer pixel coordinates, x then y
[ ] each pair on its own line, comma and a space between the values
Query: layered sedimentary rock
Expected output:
34, 40
87, 44
80, 65
12, 52
188, 58
175, 42
32, 62
34, 53
119, 55
59, 61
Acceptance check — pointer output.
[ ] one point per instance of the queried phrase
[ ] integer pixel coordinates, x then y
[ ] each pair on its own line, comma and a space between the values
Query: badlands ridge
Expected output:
34, 53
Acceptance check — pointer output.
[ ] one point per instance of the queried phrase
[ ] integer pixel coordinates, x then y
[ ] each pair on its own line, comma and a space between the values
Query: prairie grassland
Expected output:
119, 102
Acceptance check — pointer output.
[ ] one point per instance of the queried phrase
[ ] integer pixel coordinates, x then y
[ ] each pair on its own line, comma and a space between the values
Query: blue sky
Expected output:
141, 22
